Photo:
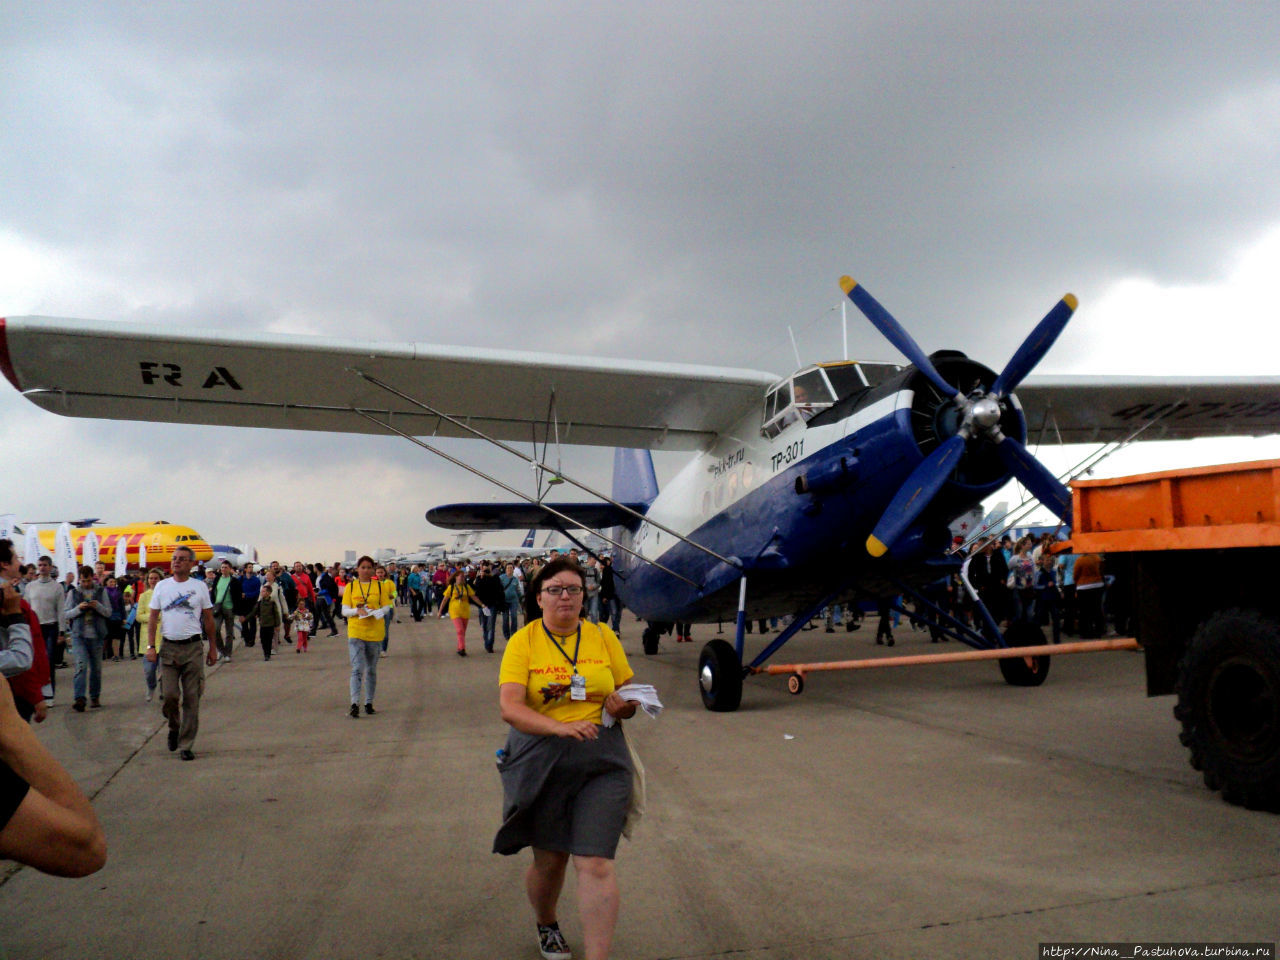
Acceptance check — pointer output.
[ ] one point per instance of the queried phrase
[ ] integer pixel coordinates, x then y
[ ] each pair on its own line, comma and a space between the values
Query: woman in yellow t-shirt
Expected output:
456, 604
365, 602
149, 667
566, 780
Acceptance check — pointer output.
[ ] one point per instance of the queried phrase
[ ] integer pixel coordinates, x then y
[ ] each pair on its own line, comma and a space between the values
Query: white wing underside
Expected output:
90, 369
93, 369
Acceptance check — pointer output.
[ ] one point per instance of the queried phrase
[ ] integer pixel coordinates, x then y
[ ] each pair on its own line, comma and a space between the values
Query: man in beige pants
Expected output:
183, 614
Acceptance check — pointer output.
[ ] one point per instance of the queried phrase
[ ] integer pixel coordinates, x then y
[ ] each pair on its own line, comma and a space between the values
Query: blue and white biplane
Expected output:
835, 483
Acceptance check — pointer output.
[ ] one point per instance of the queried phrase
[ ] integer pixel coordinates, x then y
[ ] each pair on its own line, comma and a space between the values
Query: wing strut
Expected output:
736, 564
523, 496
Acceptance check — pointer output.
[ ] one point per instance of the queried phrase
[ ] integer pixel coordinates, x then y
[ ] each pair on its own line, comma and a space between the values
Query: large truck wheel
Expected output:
1024, 671
720, 677
1229, 706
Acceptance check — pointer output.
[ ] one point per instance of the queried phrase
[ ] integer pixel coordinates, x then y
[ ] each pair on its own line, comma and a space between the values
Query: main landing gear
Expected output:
722, 667
720, 677
1024, 671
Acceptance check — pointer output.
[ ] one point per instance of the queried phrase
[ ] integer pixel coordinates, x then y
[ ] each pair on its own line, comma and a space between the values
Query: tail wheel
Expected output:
1229, 706
720, 677
1024, 671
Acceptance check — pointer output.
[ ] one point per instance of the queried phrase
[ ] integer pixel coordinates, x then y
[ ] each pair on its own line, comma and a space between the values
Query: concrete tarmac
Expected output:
913, 813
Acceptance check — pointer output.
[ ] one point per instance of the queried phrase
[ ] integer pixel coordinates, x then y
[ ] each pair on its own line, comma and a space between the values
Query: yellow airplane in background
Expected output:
160, 537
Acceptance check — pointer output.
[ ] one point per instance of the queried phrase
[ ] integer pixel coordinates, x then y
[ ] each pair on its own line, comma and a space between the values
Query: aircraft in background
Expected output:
467, 544
979, 522
160, 537
505, 552
237, 555
430, 551
835, 483
82, 522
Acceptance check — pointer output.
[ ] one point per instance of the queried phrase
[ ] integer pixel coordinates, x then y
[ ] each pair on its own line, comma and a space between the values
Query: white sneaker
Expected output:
149, 695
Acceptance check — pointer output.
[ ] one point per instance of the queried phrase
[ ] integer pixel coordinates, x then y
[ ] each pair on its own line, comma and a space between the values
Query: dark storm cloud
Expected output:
663, 180
442, 168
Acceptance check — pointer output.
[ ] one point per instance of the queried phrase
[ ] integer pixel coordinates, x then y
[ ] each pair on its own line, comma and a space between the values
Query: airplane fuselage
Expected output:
158, 539
794, 510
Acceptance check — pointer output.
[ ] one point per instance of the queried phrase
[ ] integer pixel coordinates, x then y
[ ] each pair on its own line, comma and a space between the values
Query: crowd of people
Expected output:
1021, 581
1026, 581
91, 615
567, 771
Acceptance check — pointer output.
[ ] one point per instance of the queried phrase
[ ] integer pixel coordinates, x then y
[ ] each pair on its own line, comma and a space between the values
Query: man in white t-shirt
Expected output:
182, 614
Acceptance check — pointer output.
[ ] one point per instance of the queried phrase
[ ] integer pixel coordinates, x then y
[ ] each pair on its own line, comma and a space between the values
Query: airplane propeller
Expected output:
1034, 348
979, 420
914, 495
894, 332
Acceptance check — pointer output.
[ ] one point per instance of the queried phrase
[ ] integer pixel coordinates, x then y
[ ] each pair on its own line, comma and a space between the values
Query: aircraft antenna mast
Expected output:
794, 348
844, 327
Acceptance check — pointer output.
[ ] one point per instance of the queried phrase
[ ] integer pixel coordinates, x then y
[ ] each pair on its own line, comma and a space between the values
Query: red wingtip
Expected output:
6, 364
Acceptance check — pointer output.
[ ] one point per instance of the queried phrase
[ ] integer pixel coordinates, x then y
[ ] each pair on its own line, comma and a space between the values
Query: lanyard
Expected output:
550, 636
364, 593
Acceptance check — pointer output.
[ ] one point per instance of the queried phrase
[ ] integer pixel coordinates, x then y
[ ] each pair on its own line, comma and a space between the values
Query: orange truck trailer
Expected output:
1197, 558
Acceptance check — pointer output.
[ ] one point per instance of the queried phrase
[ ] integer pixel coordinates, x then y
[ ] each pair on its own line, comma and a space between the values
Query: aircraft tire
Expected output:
1017, 672
1228, 692
720, 677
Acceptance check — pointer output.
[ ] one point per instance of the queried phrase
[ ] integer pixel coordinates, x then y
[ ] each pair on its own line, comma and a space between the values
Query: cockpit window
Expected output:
845, 379
811, 392
804, 395
878, 372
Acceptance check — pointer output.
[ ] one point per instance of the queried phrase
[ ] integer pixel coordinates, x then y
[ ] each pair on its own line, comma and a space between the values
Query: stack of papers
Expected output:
645, 694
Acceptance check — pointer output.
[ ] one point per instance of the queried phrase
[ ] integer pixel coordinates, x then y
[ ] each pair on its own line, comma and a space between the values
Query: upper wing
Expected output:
512, 516
82, 368
1097, 409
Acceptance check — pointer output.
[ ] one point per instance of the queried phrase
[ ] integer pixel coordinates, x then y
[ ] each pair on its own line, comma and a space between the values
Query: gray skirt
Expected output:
563, 794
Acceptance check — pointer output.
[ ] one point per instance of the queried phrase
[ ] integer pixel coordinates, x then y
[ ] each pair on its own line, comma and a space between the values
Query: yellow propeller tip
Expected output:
1071, 301
875, 547
847, 284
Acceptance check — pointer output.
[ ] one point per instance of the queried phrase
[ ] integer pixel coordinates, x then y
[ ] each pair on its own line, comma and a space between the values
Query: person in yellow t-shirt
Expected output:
149, 667
389, 584
456, 604
566, 780
365, 603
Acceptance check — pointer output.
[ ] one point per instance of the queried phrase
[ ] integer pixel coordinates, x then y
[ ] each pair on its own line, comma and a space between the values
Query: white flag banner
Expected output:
142, 558
8, 527
122, 556
89, 549
65, 554
33, 549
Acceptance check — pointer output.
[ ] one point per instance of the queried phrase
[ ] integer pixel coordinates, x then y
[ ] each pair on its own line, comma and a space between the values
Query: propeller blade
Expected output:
1033, 475
893, 331
1034, 347
914, 495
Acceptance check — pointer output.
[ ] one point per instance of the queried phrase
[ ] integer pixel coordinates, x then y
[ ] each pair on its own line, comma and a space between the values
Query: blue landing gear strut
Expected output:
720, 669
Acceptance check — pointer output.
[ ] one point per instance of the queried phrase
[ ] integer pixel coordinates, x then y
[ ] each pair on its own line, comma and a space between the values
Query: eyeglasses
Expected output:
556, 590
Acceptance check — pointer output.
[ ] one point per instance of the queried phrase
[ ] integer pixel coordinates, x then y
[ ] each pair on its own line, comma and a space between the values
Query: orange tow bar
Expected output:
1048, 650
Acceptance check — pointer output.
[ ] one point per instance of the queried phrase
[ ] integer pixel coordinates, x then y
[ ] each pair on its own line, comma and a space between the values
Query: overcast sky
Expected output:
660, 180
